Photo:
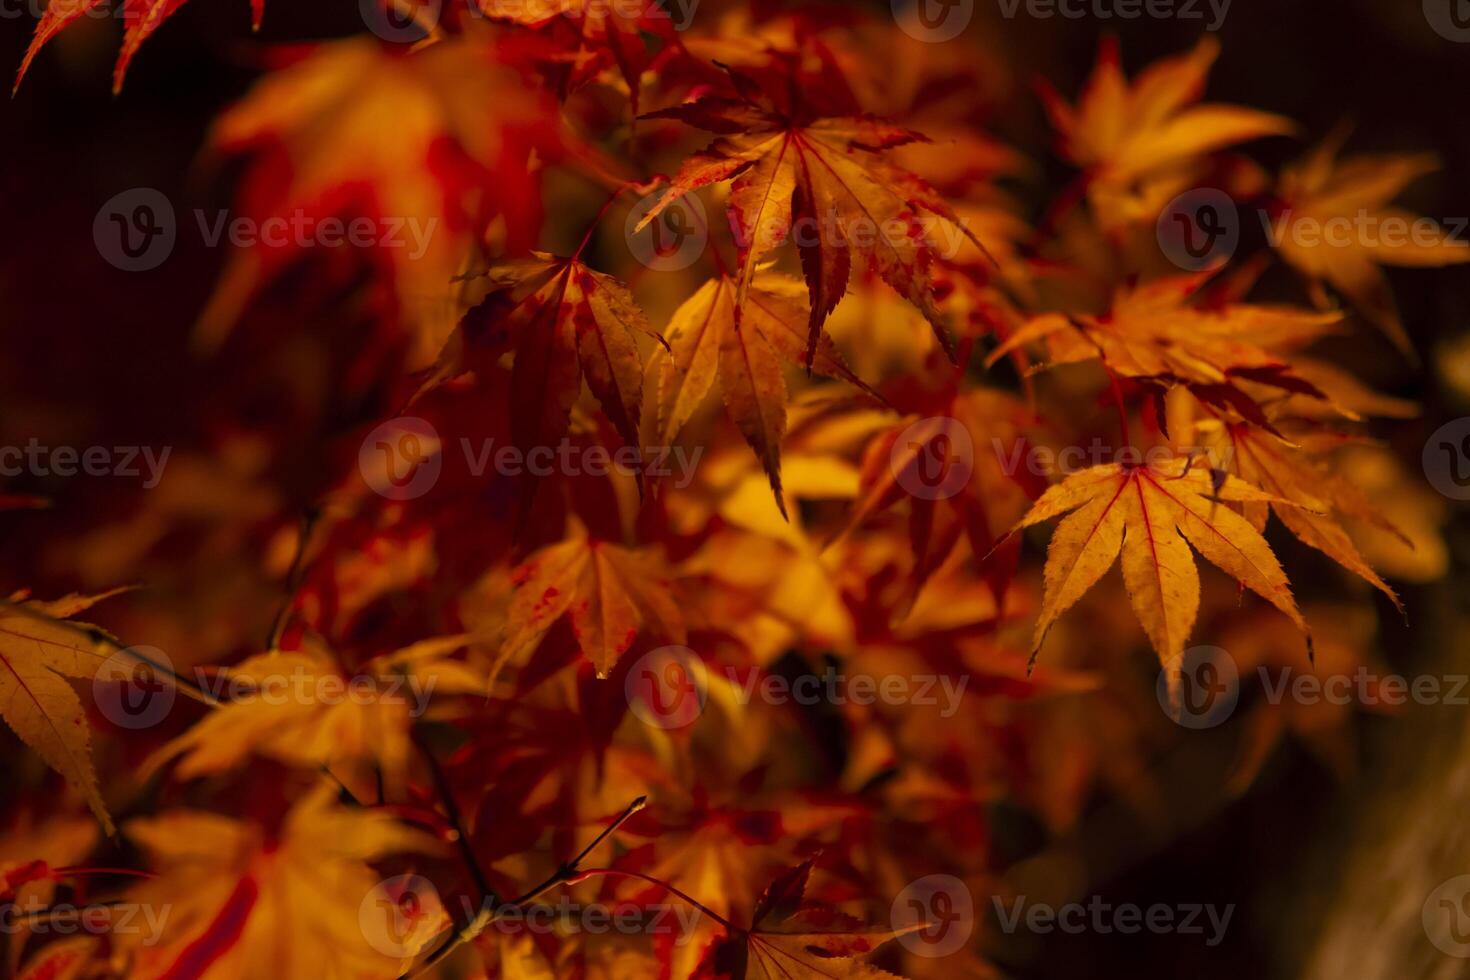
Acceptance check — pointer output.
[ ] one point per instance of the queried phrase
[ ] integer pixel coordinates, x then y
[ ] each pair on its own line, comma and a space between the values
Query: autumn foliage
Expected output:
892, 420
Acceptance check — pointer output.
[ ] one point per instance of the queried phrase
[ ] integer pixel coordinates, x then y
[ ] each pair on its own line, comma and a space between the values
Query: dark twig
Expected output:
491, 910
309, 517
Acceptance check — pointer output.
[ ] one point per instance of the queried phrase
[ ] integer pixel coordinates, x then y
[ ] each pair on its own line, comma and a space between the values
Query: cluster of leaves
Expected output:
803, 541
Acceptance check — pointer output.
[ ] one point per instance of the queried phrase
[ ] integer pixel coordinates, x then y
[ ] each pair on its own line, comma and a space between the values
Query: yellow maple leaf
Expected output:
300, 707
237, 900
1337, 226
39, 655
744, 347
1152, 515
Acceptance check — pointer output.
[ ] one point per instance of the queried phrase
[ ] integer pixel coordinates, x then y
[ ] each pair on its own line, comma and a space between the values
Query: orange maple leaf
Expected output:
708, 339
140, 17
791, 938
1152, 514
824, 182
610, 592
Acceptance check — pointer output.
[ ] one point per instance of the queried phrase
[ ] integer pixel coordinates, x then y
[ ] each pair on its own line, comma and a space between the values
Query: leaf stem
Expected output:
597, 219
294, 575
693, 902
1122, 409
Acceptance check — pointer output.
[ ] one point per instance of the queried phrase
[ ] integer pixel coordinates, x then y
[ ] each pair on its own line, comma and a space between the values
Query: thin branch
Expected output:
692, 902
297, 572
491, 911
461, 839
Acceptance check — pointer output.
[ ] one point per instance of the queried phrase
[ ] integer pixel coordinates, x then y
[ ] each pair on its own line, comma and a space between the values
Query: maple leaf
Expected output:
1405, 539
706, 851
610, 593
68, 959
566, 323
1133, 141
464, 129
955, 458
319, 727
238, 899
32, 853
1265, 646
1152, 515
604, 35
1288, 472
792, 939
38, 654
140, 17
709, 339
1319, 192
1150, 333
824, 182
